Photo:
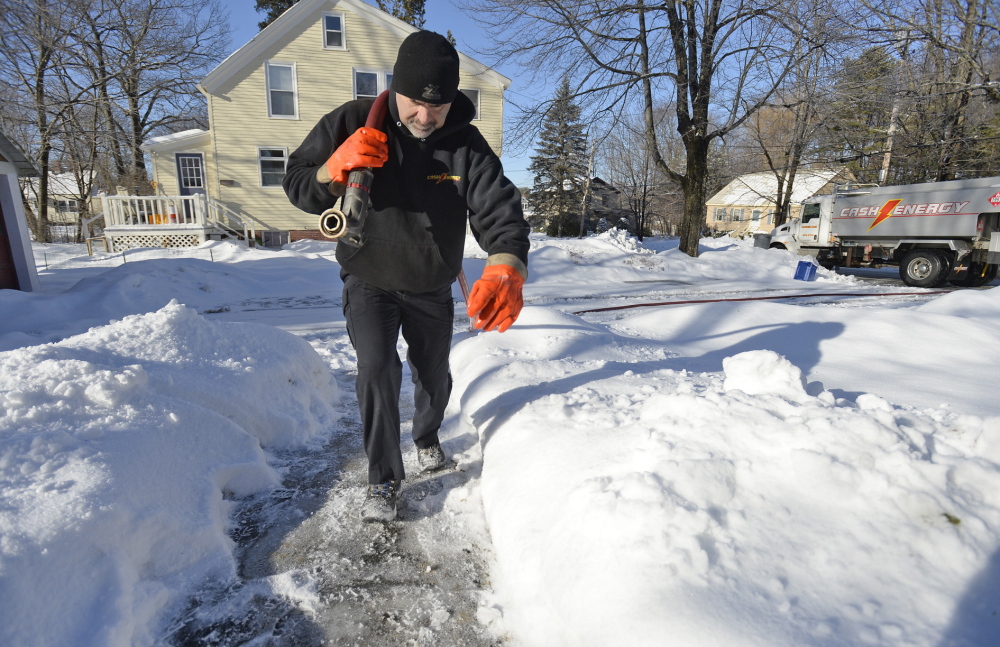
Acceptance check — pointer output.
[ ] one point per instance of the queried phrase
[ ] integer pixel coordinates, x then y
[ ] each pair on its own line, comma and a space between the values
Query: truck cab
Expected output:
814, 223
809, 231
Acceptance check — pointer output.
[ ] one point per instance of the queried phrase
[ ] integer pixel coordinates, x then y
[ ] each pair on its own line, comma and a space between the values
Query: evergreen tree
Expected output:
560, 166
411, 11
860, 112
272, 9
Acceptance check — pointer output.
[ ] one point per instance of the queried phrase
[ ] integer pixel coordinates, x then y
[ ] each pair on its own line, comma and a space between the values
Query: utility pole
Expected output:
586, 191
904, 46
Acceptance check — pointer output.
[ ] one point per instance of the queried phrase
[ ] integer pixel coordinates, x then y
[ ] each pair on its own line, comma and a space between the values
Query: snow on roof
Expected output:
173, 138
11, 153
61, 184
761, 189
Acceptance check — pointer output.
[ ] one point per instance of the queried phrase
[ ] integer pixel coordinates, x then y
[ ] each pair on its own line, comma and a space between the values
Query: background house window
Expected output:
67, 206
333, 31
474, 97
756, 215
281, 90
720, 214
369, 84
272, 165
736, 215
770, 217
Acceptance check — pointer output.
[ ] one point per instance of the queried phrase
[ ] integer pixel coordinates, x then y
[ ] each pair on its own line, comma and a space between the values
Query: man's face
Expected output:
421, 118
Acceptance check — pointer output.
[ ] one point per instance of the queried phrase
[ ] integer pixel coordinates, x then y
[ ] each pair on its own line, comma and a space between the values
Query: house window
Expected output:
67, 206
756, 215
368, 84
190, 171
770, 217
720, 214
281, 90
272, 165
736, 215
474, 97
333, 31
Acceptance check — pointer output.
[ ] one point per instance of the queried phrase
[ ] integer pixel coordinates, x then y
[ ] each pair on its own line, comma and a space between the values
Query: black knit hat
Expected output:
426, 68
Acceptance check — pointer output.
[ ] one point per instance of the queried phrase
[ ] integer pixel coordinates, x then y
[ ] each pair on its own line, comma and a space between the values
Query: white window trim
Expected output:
295, 88
260, 168
381, 82
343, 31
479, 102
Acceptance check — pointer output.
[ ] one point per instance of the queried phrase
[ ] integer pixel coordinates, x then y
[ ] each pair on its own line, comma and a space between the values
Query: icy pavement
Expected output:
312, 573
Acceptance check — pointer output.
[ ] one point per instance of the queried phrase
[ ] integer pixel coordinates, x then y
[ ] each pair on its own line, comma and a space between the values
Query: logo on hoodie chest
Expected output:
444, 177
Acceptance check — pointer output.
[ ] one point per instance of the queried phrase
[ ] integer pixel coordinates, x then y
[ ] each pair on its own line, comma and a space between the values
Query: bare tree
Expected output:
955, 45
718, 60
645, 194
155, 51
33, 46
92, 79
787, 128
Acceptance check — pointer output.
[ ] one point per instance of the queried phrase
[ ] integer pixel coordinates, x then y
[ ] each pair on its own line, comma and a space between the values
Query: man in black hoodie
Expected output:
433, 173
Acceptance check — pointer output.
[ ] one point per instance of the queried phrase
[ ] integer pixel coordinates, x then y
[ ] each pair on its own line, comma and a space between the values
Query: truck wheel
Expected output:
777, 246
977, 276
924, 268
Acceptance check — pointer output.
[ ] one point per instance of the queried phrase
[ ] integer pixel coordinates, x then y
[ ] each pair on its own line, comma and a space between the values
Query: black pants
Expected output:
374, 320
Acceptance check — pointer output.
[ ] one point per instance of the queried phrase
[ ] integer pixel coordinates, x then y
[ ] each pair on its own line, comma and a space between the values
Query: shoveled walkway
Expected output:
312, 573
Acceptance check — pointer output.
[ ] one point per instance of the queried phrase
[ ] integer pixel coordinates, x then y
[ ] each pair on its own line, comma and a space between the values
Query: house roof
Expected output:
12, 154
61, 184
248, 55
181, 139
761, 189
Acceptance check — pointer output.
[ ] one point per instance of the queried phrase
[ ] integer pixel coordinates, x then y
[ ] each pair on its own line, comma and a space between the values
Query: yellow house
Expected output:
266, 97
747, 203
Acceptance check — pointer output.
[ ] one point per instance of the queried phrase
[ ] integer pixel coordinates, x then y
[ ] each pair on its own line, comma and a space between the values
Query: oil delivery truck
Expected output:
936, 232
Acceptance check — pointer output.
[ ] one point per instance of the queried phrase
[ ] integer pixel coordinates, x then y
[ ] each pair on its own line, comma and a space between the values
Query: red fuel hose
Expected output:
783, 296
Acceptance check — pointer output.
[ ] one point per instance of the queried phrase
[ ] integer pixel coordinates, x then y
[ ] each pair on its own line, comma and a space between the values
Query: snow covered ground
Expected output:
801, 471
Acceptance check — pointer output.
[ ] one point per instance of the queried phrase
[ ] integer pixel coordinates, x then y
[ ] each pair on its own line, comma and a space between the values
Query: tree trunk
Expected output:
694, 205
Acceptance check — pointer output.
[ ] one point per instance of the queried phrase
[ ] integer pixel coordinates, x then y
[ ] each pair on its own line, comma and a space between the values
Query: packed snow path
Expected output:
416, 581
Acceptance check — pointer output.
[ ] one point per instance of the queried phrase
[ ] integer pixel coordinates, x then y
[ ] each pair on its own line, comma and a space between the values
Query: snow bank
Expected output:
141, 286
614, 264
978, 304
118, 450
628, 498
623, 241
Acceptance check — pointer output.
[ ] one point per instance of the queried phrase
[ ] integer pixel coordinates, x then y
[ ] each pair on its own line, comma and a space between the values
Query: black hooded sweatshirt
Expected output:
414, 234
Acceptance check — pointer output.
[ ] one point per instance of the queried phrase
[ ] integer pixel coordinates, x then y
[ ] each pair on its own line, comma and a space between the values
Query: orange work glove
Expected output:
366, 147
495, 300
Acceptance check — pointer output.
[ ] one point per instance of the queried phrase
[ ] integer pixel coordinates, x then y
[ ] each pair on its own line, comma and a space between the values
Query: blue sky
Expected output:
440, 16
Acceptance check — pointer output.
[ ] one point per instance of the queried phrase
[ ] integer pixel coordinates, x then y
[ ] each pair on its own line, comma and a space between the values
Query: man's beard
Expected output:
421, 132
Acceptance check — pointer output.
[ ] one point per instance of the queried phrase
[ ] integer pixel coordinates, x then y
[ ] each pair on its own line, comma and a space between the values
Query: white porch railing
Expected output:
168, 212
125, 210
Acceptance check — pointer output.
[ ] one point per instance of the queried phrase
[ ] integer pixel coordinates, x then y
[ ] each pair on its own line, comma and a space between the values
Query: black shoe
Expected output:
431, 458
380, 504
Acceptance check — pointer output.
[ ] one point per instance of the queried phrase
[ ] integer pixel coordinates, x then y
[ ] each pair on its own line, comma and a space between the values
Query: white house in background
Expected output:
17, 262
266, 97
66, 198
748, 202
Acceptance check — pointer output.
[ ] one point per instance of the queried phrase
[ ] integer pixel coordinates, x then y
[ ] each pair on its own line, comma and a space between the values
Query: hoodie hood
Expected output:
460, 115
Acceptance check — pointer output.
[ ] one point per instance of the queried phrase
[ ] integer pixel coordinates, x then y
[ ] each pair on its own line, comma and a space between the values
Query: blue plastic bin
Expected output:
805, 271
